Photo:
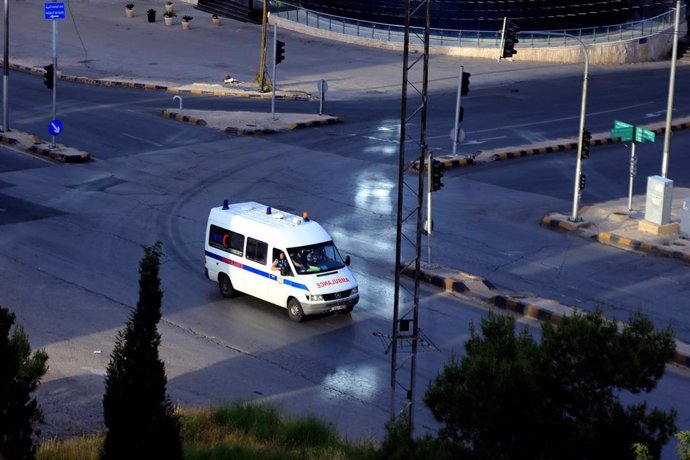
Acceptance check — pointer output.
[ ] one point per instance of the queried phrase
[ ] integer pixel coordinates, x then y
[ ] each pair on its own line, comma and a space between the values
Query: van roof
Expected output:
281, 228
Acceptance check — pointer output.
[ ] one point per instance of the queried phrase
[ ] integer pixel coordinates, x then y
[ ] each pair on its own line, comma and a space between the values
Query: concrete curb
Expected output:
452, 161
449, 162
525, 309
34, 145
225, 92
531, 307
184, 118
614, 240
233, 92
309, 124
249, 131
56, 154
242, 128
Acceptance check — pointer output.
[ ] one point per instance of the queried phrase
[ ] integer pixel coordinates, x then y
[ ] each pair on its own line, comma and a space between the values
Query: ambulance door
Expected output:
257, 269
280, 287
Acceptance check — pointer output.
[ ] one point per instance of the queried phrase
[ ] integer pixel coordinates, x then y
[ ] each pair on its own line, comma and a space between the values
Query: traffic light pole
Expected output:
429, 225
275, 80
583, 110
456, 134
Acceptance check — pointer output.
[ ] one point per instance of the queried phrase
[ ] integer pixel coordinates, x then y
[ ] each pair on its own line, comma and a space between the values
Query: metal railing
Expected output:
471, 38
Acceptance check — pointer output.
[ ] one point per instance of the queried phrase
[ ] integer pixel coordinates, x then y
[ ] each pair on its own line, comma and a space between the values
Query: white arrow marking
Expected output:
658, 113
485, 140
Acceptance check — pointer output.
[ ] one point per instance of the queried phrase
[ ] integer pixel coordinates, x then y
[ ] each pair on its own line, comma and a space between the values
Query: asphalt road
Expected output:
72, 237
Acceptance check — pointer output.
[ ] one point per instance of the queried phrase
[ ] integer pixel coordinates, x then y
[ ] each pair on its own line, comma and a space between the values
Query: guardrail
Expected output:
471, 38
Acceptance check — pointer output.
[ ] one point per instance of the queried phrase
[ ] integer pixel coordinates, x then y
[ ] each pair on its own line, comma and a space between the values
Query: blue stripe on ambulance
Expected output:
255, 271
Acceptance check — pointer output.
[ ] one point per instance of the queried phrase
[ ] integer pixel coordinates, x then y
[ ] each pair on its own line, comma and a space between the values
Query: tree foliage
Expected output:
20, 373
140, 419
511, 397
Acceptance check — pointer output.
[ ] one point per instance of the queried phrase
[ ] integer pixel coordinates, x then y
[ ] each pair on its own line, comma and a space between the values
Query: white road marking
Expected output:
142, 140
552, 120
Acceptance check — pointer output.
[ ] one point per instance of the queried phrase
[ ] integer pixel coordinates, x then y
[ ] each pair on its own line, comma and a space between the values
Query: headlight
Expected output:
317, 298
355, 290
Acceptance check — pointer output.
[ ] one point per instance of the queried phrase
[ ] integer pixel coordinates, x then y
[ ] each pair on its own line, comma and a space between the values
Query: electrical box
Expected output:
685, 219
658, 204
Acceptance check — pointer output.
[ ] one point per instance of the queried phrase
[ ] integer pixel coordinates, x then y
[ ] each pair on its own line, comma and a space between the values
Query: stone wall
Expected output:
653, 48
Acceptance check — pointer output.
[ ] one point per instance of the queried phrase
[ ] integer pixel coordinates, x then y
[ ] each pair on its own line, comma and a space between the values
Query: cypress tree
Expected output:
139, 417
20, 374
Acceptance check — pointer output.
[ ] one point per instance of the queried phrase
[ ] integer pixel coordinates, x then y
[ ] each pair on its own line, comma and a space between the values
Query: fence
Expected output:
473, 38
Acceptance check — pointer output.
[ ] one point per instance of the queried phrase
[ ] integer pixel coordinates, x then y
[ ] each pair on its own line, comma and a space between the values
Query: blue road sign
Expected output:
55, 127
54, 10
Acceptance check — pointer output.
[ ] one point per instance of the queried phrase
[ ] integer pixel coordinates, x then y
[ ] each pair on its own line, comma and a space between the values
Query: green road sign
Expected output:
625, 133
621, 124
644, 135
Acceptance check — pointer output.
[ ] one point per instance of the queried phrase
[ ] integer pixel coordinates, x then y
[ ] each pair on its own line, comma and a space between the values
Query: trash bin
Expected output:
685, 219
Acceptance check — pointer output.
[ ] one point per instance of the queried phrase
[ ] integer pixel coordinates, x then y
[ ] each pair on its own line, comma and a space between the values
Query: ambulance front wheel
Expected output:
295, 311
225, 286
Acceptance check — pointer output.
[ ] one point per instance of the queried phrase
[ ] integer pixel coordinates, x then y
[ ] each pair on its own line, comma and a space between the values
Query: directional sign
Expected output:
625, 133
55, 127
621, 124
54, 10
644, 135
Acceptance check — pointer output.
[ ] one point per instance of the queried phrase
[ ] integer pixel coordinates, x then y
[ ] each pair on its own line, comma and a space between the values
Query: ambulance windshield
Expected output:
316, 258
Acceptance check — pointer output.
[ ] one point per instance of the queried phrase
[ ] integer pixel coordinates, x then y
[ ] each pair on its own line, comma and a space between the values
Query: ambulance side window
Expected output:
226, 240
257, 250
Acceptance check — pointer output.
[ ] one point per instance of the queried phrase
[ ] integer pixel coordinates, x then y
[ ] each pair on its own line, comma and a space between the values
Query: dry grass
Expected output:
240, 431
76, 448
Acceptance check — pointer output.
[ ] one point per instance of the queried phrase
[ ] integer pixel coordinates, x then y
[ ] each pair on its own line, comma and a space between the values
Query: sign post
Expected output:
634, 134
322, 87
52, 12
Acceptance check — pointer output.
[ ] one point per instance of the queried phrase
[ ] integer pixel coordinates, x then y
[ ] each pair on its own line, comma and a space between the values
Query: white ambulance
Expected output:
244, 242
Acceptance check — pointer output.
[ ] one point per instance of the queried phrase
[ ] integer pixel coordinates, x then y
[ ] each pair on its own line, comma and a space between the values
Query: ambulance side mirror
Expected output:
347, 260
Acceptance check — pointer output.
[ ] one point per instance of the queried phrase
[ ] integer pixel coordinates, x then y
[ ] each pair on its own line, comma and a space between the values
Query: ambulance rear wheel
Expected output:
225, 286
295, 311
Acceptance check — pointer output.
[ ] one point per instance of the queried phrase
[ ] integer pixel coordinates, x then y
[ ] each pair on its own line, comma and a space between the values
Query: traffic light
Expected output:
586, 141
465, 86
583, 181
436, 176
48, 76
280, 51
461, 114
510, 39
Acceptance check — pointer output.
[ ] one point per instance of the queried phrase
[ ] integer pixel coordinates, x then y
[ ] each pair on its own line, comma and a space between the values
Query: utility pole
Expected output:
671, 89
406, 329
6, 71
261, 77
